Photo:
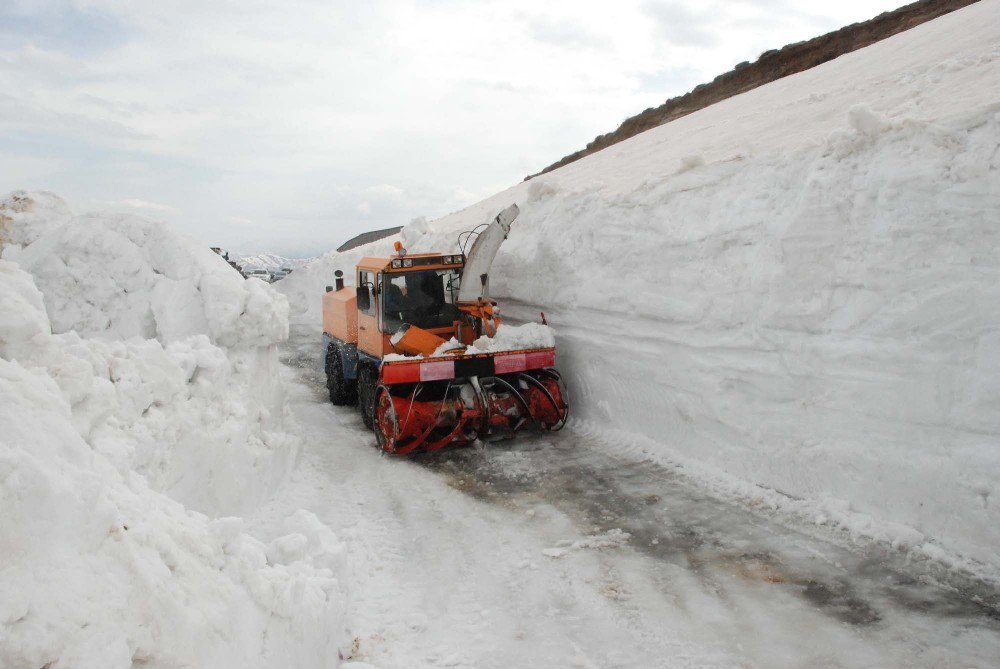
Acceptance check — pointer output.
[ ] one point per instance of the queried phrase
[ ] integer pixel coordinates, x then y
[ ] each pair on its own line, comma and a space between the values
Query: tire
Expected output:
343, 391
367, 382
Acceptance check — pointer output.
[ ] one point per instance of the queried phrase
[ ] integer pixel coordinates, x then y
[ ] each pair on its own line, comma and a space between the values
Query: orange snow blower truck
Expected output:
399, 344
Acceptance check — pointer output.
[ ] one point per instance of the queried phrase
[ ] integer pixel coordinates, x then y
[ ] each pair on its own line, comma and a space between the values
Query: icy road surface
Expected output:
545, 551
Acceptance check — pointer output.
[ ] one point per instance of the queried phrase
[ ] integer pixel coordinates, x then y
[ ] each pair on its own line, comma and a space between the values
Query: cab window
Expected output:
367, 280
422, 298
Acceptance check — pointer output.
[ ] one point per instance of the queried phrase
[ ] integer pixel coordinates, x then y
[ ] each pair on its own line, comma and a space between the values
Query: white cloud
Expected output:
293, 115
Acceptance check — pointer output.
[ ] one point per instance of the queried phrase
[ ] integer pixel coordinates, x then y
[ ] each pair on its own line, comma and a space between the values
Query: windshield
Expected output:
422, 298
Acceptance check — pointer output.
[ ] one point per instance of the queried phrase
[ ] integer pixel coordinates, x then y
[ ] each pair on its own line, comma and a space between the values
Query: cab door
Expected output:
369, 337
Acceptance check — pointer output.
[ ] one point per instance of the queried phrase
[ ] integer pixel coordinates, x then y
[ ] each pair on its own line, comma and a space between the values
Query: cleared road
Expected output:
547, 551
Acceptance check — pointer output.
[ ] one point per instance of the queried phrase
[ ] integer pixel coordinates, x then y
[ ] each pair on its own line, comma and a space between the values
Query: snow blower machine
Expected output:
414, 344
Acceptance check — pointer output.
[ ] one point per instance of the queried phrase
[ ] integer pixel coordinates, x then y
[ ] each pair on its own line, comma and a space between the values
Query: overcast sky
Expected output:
291, 126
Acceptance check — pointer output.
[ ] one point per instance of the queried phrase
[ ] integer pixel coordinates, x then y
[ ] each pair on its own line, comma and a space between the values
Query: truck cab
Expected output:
419, 290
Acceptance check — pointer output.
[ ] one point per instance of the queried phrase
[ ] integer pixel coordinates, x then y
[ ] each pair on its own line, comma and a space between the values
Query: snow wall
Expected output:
141, 406
793, 294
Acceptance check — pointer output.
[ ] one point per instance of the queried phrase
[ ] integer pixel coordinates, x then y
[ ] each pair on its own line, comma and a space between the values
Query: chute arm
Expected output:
479, 259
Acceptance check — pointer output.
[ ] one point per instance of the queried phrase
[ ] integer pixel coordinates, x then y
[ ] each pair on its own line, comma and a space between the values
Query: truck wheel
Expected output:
367, 380
342, 390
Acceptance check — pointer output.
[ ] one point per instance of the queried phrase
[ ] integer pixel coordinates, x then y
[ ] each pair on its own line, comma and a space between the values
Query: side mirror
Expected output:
364, 298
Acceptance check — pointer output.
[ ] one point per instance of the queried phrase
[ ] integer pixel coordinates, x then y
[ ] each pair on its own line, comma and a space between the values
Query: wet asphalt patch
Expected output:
671, 521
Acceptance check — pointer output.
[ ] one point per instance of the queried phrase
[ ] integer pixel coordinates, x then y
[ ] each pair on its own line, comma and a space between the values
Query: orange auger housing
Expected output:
431, 403
396, 344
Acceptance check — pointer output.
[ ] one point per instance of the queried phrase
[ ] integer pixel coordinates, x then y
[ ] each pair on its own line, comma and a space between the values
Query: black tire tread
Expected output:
343, 392
367, 381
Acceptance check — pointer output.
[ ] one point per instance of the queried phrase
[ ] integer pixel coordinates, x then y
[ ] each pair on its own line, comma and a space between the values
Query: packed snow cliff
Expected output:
141, 408
794, 294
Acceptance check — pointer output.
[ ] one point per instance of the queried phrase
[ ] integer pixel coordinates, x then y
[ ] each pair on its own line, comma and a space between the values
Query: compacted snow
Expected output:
792, 293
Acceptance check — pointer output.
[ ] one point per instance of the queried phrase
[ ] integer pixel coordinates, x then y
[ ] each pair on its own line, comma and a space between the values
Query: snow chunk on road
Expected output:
614, 538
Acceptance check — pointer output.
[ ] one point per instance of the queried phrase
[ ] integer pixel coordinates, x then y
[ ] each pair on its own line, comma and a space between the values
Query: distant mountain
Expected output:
269, 261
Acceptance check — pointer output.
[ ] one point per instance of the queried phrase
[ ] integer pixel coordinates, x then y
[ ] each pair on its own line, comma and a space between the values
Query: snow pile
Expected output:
100, 570
810, 305
199, 407
514, 338
107, 437
119, 276
507, 338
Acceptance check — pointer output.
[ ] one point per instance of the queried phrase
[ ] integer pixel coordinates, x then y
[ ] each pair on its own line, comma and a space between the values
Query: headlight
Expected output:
396, 264
407, 262
448, 260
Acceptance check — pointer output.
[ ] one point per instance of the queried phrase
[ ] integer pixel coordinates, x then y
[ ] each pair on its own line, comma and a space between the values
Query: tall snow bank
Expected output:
190, 345
100, 570
795, 288
118, 276
820, 322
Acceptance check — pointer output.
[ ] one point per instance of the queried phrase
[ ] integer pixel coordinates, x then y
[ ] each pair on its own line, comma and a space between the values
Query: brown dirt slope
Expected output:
772, 65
